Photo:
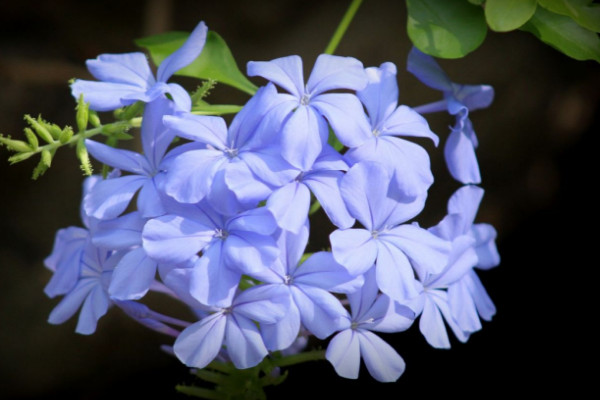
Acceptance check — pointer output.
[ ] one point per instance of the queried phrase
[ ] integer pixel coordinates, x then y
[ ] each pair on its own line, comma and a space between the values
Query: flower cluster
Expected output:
221, 220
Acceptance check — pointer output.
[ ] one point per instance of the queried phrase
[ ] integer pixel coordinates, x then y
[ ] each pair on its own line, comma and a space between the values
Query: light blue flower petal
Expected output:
334, 72
69, 305
346, 115
201, 128
485, 246
183, 56
380, 96
212, 281
289, 205
268, 166
322, 271
320, 311
133, 276
65, 260
175, 239
106, 96
474, 97
282, 334
461, 159
432, 325
343, 352
301, 139
244, 343
426, 69
197, 345
285, 72
249, 252
128, 68
465, 202
395, 276
258, 220
180, 96
190, 174
94, 307
355, 249
325, 186
382, 361
111, 197
119, 233
405, 121
264, 303
156, 137
149, 201
239, 179
119, 158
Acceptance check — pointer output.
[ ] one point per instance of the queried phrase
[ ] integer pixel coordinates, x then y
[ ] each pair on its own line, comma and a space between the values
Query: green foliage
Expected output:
583, 12
508, 15
445, 28
215, 62
564, 34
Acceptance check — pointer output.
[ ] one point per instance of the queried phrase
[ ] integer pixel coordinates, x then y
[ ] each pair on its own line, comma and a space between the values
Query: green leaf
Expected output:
203, 108
583, 12
445, 28
477, 2
215, 62
562, 33
508, 15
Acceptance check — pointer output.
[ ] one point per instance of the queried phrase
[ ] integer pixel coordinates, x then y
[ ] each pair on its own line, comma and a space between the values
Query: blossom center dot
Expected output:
305, 99
375, 234
376, 132
288, 279
221, 234
230, 153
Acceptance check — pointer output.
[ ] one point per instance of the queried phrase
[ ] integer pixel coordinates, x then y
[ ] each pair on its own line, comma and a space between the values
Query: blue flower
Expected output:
234, 326
308, 286
305, 131
396, 250
370, 312
458, 100
127, 78
410, 162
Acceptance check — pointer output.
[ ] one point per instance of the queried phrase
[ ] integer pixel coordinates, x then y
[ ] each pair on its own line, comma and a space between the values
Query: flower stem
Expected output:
299, 358
341, 29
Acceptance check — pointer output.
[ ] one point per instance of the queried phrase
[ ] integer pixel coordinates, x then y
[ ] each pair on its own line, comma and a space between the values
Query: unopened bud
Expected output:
84, 158
66, 134
19, 157
18, 146
40, 129
82, 114
94, 119
31, 138
54, 129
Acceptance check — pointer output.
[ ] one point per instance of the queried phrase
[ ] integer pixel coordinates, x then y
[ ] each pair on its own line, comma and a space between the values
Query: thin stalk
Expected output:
342, 27
299, 358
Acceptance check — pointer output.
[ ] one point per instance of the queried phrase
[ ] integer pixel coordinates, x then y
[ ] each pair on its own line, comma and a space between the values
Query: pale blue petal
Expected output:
264, 303
133, 276
362, 300
432, 325
180, 96
346, 115
94, 307
485, 246
282, 334
202, 128
301, 140
106, 96
380, 96
69, 305
355, 249
127, 68
111, 197
465, 201
382, 361
292, 246
239, 179
285, 72
223, 200
329, 160
425, 250
334, 72
156, 137
65, 260
474, 97
322, 271
200, 343
343, 352
184, 55
461, 159
249, 252
269, 166
441, 301
426, 69
405, 121
366, 202
320, 311
461, 260
325, 185
175, 239
450, 227
395, 276
258, 220
289, 205
212, 282
189, 177
149, 201
244, 342
119, 158
120, 233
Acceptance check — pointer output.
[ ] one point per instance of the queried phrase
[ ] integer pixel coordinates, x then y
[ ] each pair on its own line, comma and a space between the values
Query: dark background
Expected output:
536, 155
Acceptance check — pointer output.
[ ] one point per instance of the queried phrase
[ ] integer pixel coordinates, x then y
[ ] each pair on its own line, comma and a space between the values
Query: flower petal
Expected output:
343, 352
184, 55
200, 343
346, 115
289, 205
461, 159
119, 158
380, 96
355, 249
244, 343
334, 72
325, 186
285, 72
132, 276
382, 361
111, 197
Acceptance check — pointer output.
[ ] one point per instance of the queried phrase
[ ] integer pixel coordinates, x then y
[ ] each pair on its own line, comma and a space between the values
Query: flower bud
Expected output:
82, 114
40, 129
31, 138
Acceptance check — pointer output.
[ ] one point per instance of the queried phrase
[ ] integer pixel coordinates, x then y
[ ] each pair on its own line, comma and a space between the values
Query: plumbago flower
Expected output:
410, 162
221, 222
456, 294
394, 249
305, 131
127, 78
458, 100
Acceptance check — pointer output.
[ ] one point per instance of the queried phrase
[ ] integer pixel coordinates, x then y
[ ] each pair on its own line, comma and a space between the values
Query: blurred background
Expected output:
536, 157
